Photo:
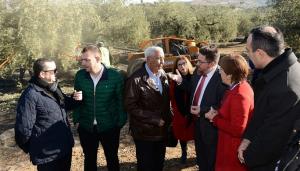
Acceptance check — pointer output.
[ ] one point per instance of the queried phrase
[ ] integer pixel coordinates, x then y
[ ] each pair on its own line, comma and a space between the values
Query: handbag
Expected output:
171, 139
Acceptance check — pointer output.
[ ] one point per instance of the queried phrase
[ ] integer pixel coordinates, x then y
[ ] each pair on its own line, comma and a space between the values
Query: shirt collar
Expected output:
151, 73
211, 73
234, 85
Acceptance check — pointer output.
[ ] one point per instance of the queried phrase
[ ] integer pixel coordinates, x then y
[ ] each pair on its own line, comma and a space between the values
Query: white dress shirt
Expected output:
208, 77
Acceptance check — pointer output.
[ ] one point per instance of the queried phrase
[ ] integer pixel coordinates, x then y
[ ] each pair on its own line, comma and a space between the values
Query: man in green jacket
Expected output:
101, 114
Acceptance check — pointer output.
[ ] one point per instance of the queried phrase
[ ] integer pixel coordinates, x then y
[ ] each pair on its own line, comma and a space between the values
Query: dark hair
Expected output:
272, 42
211, 53
236, 66
39, 65
188, 63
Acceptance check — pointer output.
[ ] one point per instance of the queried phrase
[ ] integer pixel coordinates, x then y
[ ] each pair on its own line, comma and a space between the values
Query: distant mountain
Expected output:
236, 3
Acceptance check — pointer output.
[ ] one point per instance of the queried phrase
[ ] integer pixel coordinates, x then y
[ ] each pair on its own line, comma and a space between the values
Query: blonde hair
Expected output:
188, 63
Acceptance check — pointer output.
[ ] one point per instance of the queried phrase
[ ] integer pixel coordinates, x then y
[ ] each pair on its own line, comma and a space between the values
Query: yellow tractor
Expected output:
172, 46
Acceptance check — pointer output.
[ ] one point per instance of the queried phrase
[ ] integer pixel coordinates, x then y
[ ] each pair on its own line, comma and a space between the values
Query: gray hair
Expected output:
150, 51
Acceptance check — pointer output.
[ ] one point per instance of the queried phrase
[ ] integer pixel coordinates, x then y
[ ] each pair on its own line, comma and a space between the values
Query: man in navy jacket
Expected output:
42, 128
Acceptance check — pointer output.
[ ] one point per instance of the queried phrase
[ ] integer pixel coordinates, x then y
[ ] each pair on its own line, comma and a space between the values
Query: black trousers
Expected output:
150, 155
90, 142
62, 164
206, 149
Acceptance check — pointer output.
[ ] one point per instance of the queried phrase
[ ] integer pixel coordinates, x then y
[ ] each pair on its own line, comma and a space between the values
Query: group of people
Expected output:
42, 128
234, 125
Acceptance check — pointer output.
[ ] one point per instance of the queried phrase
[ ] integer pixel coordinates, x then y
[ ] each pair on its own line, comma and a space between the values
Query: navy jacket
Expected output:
42, 128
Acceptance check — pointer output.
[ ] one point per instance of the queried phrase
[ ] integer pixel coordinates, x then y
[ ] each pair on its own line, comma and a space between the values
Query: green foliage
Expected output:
34, 29
251, 18
215, 23
123, 25
42, 28
286, 15
170, 19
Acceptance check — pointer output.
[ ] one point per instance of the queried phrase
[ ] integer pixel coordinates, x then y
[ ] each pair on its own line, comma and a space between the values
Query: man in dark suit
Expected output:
207, 91
277, 99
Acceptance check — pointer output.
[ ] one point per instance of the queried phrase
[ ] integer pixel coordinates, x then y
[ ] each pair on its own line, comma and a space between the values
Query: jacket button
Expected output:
294, 130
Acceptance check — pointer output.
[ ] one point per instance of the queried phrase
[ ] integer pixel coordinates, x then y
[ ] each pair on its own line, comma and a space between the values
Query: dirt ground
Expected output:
13, 159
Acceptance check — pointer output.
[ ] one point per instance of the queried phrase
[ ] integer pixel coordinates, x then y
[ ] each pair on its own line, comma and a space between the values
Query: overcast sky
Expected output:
151, 1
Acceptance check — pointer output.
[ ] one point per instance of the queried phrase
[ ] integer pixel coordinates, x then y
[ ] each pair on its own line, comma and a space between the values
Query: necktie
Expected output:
198, 91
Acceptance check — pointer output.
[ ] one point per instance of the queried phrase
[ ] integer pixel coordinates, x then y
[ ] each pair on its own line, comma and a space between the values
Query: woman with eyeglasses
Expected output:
183, 126
235, 111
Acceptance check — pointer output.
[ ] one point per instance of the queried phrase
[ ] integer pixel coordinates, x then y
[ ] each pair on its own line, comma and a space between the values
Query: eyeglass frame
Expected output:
54, 70
201, 62
182, 64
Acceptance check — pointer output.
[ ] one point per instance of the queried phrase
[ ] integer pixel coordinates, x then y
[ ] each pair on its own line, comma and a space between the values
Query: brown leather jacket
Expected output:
146, 106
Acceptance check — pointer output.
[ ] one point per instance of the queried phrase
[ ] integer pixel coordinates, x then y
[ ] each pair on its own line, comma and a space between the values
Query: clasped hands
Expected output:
210, 115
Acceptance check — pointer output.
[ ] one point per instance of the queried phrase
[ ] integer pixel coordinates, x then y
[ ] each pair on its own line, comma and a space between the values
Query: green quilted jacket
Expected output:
105, 103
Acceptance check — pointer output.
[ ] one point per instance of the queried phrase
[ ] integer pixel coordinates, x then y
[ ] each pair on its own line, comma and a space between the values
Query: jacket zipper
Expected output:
293, 158
95, 107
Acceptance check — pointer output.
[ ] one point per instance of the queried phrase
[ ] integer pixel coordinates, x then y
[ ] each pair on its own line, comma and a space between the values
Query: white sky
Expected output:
151, 1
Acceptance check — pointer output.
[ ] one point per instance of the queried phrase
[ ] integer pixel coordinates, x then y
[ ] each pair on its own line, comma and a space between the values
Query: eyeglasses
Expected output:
202, 62
53, 71
181, 64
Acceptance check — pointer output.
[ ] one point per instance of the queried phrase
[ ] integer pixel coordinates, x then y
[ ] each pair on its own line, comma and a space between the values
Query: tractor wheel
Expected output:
134, 65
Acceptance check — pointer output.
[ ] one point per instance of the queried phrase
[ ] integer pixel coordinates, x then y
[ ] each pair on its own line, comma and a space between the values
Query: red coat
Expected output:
236, 109
182, 130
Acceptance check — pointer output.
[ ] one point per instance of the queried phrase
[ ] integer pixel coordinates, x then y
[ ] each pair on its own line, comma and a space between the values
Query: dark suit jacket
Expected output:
212, 96
277, 106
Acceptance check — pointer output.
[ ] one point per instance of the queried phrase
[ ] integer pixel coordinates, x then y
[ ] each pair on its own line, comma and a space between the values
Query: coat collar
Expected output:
145, 75
104, 74
43, 91
280, 63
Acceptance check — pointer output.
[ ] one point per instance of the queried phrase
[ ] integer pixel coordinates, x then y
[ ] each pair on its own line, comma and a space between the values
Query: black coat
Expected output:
277, 106
290, 158
42, 127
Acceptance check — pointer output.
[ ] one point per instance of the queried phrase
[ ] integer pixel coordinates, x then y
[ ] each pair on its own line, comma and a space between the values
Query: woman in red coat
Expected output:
235, 111
183, 126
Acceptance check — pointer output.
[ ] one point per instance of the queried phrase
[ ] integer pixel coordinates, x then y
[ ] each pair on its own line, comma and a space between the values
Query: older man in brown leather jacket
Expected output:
147, 103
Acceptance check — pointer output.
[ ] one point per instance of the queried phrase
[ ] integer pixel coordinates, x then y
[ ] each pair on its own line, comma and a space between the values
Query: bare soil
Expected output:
14, 159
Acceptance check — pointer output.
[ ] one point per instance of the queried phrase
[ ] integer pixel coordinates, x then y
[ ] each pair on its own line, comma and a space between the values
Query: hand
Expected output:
77, 95
243, 146
175, 77
76, 125
210, 115
161, 122
195, 110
